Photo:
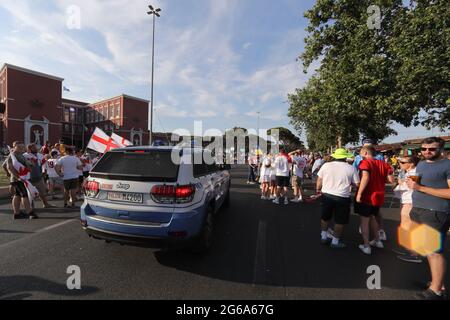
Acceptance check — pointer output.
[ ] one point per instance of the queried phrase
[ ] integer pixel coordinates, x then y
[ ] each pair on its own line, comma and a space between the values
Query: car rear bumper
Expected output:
133, 240
181, 228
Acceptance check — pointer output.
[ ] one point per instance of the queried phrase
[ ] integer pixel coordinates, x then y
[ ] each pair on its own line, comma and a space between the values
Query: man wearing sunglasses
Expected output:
431, 206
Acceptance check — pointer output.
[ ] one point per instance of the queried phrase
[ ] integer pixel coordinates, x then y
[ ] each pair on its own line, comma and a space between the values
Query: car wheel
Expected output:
204, 240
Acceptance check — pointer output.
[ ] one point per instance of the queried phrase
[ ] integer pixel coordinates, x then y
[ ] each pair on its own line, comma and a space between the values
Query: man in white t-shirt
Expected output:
335, 180
283, 162
54, 180
298, 168
68, 167
317, 164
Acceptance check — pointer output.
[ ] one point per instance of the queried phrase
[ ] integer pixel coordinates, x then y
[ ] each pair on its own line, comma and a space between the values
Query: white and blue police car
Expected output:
141, 196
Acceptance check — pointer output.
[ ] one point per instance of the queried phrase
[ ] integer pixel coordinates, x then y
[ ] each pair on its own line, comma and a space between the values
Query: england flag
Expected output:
101, 142
122, 142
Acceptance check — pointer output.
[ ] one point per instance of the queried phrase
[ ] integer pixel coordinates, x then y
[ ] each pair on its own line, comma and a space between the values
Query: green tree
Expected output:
369, 78
287, 138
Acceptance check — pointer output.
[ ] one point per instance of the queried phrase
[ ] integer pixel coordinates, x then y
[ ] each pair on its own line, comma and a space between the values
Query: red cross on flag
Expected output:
101, 142
122, 142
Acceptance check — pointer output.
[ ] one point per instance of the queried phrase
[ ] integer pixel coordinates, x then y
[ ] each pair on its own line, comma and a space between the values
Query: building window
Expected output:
80, 116
66, 115
72, 114
2, 94
117, 111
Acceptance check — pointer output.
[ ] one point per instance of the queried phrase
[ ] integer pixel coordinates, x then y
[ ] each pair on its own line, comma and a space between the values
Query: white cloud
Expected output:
197, 68
165, 110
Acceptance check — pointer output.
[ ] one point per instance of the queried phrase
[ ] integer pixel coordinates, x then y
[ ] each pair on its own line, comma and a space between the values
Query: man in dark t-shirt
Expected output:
431, 207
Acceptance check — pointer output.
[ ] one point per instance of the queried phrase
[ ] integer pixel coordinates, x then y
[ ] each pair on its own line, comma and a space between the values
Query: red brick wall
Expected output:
33, 95
136, 116
2, 97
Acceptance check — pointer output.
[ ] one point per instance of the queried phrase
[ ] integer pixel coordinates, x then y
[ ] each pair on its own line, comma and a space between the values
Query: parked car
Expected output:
140, 196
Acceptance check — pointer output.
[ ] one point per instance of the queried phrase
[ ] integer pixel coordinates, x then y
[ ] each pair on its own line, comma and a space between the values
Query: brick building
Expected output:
33, 110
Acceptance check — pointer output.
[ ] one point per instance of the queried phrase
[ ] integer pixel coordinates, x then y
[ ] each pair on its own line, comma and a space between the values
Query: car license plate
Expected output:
125, 197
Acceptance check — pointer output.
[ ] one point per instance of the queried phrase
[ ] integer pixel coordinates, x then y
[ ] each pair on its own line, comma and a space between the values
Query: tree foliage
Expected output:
368, 77
287, 138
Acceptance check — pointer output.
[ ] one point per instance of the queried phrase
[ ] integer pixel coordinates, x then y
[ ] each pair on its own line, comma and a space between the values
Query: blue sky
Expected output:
217, 61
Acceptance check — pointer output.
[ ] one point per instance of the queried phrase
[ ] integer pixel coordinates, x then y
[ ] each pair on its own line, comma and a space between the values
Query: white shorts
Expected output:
265, 179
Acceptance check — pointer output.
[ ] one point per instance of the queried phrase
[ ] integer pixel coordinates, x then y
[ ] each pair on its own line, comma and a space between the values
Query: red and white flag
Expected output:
101, 142
122, 142
35, 158
24, 174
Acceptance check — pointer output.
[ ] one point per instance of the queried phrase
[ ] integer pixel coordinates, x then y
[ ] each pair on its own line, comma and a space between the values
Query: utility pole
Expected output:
153, 12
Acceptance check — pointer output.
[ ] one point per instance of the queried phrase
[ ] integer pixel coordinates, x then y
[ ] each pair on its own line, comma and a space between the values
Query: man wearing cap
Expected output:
359, 158
335, 180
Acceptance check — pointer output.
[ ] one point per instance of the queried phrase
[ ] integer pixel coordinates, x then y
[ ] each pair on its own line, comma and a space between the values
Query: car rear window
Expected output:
146, 165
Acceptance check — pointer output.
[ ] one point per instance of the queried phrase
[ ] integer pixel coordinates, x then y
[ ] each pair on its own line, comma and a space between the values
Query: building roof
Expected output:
79, 103
36, 73
418, 141
121, 96
135, 98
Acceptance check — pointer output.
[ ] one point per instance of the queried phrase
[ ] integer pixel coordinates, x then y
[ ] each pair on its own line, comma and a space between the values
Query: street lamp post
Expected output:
257, 130
153, 12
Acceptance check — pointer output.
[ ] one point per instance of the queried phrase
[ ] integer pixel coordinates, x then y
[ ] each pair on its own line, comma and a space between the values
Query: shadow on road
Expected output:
286, 251
13, 231
21, 287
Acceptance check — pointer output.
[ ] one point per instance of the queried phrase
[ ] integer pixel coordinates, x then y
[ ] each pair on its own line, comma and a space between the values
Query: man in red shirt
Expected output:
45, 150
370, 196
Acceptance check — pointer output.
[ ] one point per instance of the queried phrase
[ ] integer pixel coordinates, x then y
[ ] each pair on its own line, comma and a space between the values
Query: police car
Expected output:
156, 197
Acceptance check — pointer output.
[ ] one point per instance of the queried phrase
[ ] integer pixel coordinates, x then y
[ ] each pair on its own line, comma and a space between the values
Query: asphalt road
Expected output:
261, 251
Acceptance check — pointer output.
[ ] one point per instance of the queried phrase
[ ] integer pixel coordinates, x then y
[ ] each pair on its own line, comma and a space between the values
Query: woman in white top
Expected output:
265, 178
408, 168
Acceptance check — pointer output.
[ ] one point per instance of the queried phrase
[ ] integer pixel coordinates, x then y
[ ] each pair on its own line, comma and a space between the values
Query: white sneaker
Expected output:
263, 198
276, 201
295, 200
330, 233
286, 201
382, 235
377, 244
366, 250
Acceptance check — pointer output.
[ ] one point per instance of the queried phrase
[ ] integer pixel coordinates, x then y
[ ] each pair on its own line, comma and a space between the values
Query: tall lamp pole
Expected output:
153, 12
257, 130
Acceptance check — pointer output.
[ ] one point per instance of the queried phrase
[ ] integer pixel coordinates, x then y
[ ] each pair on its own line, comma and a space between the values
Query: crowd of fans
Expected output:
420, 180
43, 172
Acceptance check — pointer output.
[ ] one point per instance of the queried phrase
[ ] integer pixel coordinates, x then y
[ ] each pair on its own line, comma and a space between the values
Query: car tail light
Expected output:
172, 194
91, 189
